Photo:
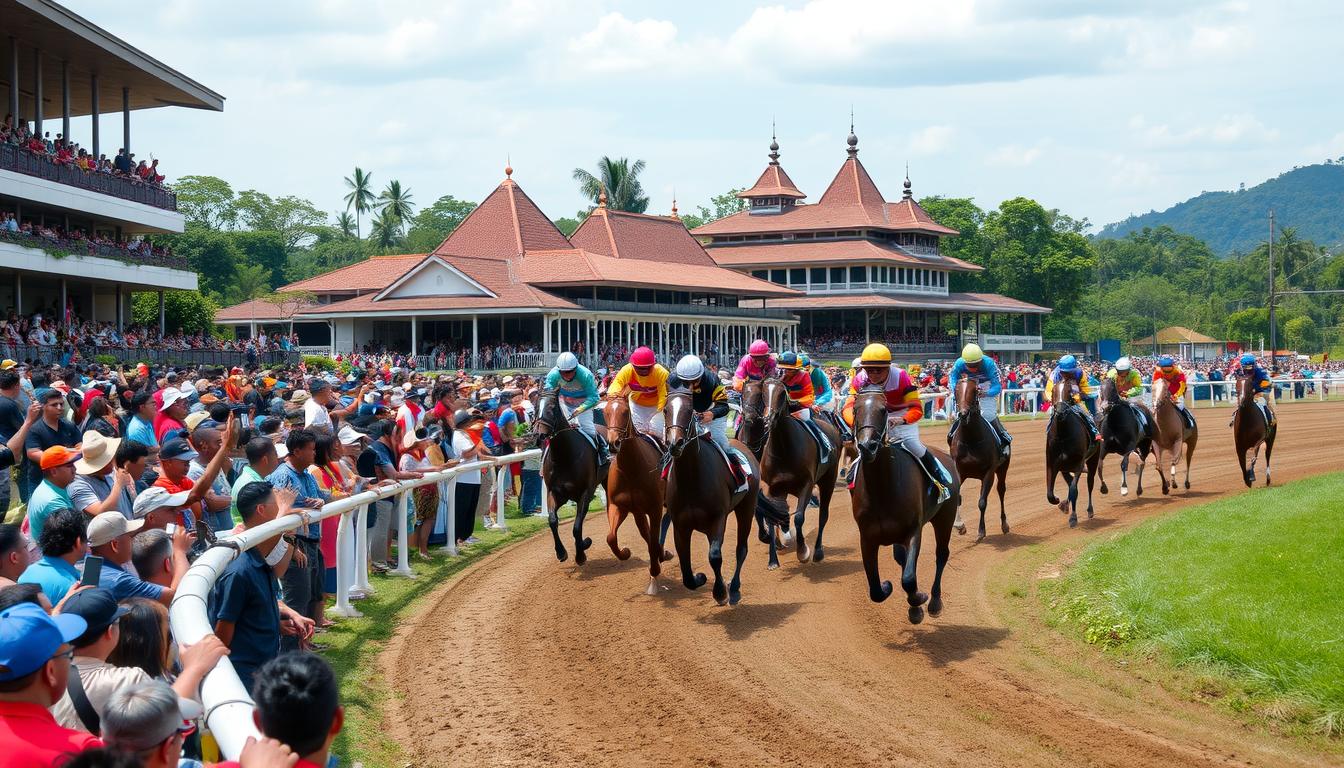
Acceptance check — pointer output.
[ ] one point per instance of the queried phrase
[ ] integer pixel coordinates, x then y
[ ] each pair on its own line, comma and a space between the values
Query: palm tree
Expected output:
360, 196
346, 223
396, 202
386, 229
620, 178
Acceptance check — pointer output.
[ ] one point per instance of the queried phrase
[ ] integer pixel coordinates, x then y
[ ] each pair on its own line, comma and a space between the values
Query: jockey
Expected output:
904, 409
578, 396
1168, 371
1068, 368
756, 365
821, 386
802, 399
645, 382
1261, 383
985, 372
710, 401
1129, 385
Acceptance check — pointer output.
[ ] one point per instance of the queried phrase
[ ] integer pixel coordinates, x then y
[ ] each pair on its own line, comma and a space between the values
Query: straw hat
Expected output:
97, 451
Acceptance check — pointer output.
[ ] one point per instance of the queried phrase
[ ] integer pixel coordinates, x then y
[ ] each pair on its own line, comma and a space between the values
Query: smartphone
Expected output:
93, 571
171, 528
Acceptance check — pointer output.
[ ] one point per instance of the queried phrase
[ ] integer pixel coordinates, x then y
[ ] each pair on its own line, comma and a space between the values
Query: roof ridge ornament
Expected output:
774, 145
852, 141
907, 194
508, 167
602, 196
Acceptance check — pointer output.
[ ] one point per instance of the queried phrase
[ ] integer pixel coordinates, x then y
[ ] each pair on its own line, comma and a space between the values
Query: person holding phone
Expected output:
62, 545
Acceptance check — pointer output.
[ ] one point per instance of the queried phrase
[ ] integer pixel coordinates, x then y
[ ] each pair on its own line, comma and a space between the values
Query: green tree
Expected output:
433, 224
189, 311
620, 179
1301, 334
1029, 259
293, 218
567, 225
963, 215
720, 206
213, 256
360, 197
1248, 325
249, 282
265, 249
326, 255
205, 201
385, 232
397, 203
346, 224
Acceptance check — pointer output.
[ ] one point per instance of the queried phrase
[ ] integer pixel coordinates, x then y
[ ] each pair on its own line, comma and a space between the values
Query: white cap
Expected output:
349, 435
110, 526
153, 498
171, 395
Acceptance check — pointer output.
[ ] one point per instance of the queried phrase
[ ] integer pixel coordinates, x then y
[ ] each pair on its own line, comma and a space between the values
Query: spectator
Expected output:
133, 457
468, 490
52, 430
100, 418
62, 545
24, 593
175, 457
99, 486
415, 458
140, 427
263, 456
149, 720
152, 556
315, 414
298, 704
13, 553
378, 462
14, 429
35, 656
57, 464
111, 538
145, 640
302, 582
337, 480
208, 442
168, 421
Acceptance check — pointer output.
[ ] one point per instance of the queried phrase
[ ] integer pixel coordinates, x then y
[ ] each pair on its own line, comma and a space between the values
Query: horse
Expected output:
974, 449
1250, 430
700, 497
569, 469
1068, 451
752, 433
634, 486
891, 499
791, 466
1171, 433
1122, 434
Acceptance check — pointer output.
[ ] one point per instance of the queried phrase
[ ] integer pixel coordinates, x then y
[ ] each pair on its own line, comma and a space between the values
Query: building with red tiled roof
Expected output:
867, 269
508, 276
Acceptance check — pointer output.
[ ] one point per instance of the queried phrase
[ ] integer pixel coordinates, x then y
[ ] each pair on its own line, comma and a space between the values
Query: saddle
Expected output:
824, 446
738, 467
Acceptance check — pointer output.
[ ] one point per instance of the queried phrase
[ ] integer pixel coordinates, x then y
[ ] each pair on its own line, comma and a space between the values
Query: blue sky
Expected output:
1099, 109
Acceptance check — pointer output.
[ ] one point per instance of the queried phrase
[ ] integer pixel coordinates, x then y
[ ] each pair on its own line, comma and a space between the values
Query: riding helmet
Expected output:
875, 354
1122, 364
643, 358
972, 353
567, 361
789, 361
1165, 361
689, 368
1248, 359
758, 348
1068, 363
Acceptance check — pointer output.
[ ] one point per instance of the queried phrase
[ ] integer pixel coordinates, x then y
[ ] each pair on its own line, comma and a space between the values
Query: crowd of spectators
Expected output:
834, 341
62, 151
96, 243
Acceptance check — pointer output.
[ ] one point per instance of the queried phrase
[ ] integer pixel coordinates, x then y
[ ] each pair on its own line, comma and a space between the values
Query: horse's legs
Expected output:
986, 483
1091, 479
1071, 501
744, 511
1139, 480
762, 532
1002, 477
553, 519
910, 580
646, 529
824, 493
1189, 454
1050, 474
662, 535
616, 516
942, 535
1101, 470
716, 560
581, 544
878, 590
799, 516
682, 536
1269, 449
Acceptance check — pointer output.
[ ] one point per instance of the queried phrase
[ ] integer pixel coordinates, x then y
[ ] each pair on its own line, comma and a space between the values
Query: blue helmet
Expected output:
1248, 359
1165, 361
1068, 363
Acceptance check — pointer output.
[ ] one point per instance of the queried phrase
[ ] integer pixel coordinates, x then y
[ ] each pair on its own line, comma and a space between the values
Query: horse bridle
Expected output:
623, 433
753, 415
879, 428
973, 406
690, 432
541, 420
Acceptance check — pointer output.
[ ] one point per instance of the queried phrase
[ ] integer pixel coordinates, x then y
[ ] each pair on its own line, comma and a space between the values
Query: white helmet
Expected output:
1122, 364
858, 362
566, 361
689, 368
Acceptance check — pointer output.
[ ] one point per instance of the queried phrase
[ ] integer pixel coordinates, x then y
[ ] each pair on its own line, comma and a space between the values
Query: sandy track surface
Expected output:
526, 661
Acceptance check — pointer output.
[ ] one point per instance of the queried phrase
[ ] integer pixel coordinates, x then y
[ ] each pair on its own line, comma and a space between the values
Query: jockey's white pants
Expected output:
899, 431
718, 431
584, 420
647, 418
989, 407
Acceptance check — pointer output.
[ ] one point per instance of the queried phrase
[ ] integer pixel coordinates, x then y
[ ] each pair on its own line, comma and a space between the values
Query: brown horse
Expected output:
791, 466
700, 497
975, 451
1122, 434
1068, 451
570, 470
1251, 429
892, 501
1170, 434
634, 486
752, 433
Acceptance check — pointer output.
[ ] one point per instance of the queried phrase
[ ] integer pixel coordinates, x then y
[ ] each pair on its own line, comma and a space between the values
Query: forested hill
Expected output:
1310, 198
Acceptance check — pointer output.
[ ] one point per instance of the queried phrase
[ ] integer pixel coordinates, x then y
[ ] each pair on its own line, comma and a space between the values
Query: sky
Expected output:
1100, 109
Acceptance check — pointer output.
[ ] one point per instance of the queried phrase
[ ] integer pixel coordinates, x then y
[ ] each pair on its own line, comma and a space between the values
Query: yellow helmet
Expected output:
875, 354
972, 353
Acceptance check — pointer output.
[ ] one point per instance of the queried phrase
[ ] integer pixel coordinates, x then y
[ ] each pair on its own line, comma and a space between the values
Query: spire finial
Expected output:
774, 145
907, 194
674, 203
852, 141
508, 166
602, 197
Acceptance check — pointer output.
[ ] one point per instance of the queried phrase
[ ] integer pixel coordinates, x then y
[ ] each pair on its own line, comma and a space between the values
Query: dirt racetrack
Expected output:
526, 661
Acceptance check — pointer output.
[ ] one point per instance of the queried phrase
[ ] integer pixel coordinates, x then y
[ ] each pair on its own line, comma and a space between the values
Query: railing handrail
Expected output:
88, 352
611, 305
22, 160
84, 247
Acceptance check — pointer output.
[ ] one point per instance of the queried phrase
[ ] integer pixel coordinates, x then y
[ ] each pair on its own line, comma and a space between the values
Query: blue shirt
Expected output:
124, 586
507, 422
821, 387
53, 574
986, 373
304, 485
141, 432
46, 499
245, 596
581, 391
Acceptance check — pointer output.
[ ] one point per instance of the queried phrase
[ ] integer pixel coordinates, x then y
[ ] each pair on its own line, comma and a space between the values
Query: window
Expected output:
858, 274
778, 276
818, 275
760, 274
797, 276
837, 276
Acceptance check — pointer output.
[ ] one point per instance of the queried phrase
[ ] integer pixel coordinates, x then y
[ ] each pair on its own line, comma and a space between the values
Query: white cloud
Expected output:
620, 45
1132, 173
931, 140
1228, 130
1015, 155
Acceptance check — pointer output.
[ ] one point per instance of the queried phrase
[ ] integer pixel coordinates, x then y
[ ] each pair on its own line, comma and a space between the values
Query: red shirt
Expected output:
184, 484
163, 424
30, 737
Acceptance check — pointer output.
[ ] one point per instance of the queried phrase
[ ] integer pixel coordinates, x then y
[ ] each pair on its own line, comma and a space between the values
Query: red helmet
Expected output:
643, 358
759, 347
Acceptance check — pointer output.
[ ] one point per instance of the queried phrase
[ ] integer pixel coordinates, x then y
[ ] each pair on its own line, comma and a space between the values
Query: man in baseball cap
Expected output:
58, 472
35, 656
158, 506
171, 413
150, 720
110, 536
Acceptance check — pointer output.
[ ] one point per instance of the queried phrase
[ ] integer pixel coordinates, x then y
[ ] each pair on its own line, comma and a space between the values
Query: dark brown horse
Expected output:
1068, 451
752, 433
892, 501
975, 450
1169, 436
1123, 435
791, 466
1251, 429
569, 469
700, 497
634, 486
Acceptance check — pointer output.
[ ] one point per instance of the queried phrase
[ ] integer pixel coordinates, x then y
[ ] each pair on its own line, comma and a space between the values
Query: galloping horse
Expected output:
892, 502
1171, 433
700, 496
633, 486
1250, 430
975, 451
752, 433
569, 469
791, 466
1068, 451
1122, 434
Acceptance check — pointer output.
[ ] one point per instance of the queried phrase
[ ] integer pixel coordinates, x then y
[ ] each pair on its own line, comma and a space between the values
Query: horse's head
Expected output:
1110, 393
679, 415
550, 417
1062, 394
616, 415
1159, 390
870, 421
967, 397
776, 399
752, 429
1245, 392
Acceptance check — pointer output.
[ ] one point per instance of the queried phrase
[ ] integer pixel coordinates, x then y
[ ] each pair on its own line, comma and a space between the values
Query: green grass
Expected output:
1245, 592
354, 644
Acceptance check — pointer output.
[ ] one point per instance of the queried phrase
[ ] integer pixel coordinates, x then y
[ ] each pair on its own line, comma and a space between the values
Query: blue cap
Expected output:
177, 448
29, 638
1248, 359
1165, 361
1068, 363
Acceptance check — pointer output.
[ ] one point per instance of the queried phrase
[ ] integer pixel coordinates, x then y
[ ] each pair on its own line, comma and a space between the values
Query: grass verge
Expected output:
1244, 593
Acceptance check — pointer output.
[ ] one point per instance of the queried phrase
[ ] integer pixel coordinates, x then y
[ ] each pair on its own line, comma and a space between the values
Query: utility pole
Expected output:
1273, 338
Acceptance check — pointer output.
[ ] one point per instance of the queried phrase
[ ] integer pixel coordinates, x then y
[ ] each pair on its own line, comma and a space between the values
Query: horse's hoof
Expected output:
1166, 490
1124, 490
936, 607
623, 554
1073, 521
916, 615
1004, 526
818, 554
721, 600
699, 580
579, 557
919, 598
961, 528
1064, 505
1104, 490
786, 540
981, 537
734, 596
587, 542
804, 551
653, 588
561, 555
1187, 485
667, 555
882, 594
772, 567
1090, 513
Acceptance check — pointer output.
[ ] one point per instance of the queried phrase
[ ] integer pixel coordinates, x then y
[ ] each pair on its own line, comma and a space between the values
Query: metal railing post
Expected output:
503, 480
362, 584
400, 508
344, 565
450, 526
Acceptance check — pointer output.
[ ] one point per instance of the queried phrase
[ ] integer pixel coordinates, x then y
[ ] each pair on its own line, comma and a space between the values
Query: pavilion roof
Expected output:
966, 302
506, 224
624, 235
372, 274
806, 252
1177, 334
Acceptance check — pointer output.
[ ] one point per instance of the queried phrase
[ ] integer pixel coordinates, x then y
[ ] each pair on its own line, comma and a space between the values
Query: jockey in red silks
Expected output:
756, 365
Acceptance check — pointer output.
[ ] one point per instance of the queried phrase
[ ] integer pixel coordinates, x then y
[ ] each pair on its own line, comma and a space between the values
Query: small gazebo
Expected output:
1181, 342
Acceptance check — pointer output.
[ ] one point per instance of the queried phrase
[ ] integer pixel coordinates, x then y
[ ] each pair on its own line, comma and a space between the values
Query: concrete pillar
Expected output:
415, 341
93, 110
65, 99
126, 119
93, 300
475, 342
161, 319
37, 93
18, 292
14, 78
120, 320
64, 299
867, 328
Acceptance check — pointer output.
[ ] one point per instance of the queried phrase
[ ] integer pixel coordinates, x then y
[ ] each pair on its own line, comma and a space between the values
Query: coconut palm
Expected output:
620, 177
360, 196
385, 230
396, 202
346, 223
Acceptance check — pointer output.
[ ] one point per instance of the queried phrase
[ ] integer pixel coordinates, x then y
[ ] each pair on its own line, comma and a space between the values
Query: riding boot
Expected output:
1091, 425
603, 450
952, 429
739, 470
1005, 439
938, 475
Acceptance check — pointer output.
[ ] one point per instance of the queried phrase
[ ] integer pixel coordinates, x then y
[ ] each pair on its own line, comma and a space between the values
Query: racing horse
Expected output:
570, 470
752, 433
976, 452
1250, 430
892, 500
700, 497
633, 486
1122, 435
1068, 451
791, 466
1171, 433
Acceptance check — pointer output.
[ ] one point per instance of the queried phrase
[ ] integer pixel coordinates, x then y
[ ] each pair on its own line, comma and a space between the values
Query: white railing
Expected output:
228, 706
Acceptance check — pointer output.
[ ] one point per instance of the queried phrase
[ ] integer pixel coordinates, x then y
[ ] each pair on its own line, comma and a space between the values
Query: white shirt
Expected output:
462, 443
100, 681
315, 415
